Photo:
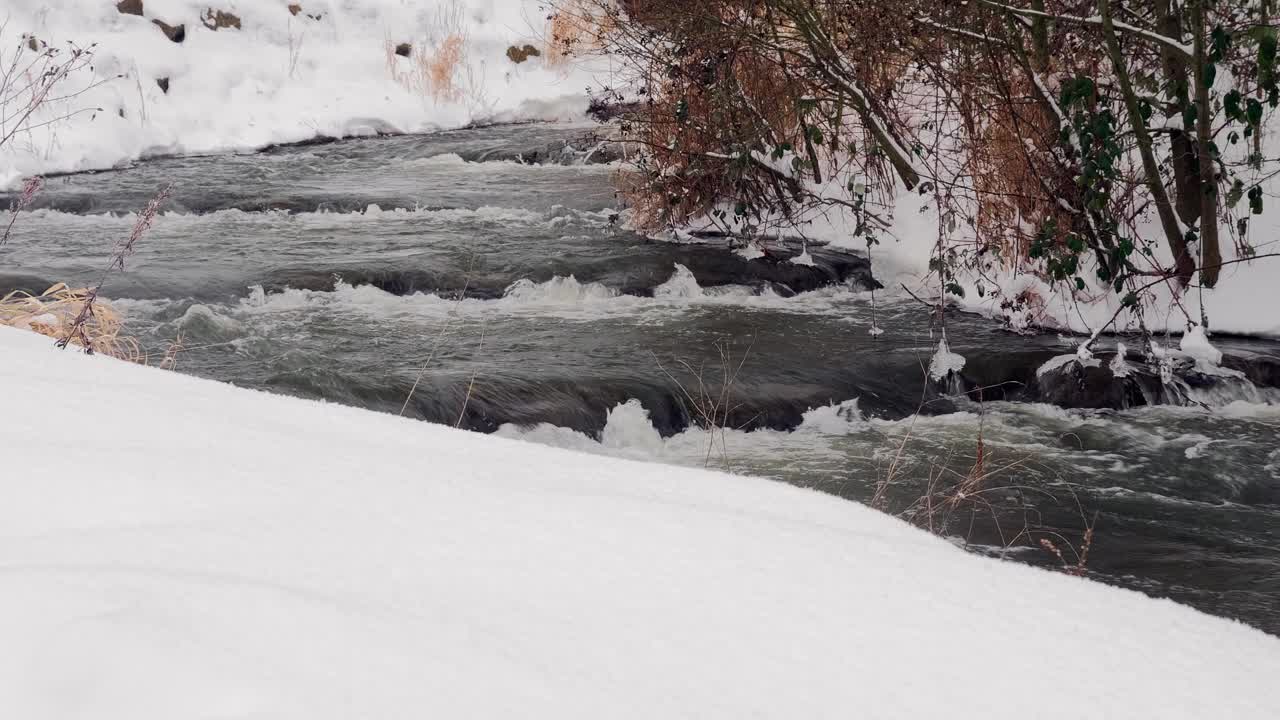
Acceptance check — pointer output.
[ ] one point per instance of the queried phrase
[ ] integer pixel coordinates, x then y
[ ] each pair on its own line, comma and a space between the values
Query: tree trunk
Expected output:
1186, 172
1210, 253
1184, 265
1039, 39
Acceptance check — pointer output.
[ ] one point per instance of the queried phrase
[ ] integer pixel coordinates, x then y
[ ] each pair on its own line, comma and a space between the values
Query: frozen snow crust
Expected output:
184, 548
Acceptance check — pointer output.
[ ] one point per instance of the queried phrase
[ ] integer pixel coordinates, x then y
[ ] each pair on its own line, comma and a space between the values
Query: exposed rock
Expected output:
217, 19
518, 55
20, 282
1074, 385
295, 8
164, 84
404, 49
130, 7
176, 34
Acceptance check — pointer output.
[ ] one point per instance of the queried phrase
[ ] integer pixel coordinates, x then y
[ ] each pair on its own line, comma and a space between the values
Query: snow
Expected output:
280, 77
944, 362
1119, 365
176, 547
1197, 346
804, 258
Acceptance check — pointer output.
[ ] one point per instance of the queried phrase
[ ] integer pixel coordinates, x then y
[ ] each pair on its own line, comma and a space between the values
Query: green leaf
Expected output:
1231, 105
1253, 112
1220, 42
1236, 192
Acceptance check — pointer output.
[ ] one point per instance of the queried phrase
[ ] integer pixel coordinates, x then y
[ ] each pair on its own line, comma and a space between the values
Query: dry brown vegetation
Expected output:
55, 311
1022, 122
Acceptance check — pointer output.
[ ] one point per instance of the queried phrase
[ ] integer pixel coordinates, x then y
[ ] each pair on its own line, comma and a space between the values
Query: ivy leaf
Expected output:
955, 289
1253, 112
1255, 200
1231, 105
1236, 192
1220, 42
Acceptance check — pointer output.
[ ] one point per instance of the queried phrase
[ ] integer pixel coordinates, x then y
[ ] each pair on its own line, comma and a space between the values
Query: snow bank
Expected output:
330, 69
176, 547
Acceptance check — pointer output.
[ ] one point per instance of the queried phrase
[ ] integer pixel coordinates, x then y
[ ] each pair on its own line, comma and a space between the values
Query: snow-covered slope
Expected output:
178, 548
328, 68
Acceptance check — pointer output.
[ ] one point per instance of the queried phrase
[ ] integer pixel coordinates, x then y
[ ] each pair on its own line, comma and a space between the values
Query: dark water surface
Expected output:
513, 297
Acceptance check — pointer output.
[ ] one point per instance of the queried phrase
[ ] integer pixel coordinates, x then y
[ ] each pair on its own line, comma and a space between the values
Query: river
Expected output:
482, 278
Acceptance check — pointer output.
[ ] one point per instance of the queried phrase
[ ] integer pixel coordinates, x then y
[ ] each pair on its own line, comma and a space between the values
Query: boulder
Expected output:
217, 19
175, 33
404, 49
130, 7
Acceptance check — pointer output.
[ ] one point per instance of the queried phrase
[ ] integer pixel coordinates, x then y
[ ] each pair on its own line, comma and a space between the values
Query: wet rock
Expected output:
1081, 386
715, 266
164, 84
21, 282
176, 33
404, 49
130, 7
1261, 369
518, 55
217, 19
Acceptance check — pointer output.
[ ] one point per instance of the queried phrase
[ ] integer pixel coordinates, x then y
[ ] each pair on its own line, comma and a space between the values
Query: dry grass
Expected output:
710, 403
57, 309
568, 32
432, 71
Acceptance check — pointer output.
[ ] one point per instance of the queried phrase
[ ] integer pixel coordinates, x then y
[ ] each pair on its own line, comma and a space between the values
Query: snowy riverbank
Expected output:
180, 546
273, 71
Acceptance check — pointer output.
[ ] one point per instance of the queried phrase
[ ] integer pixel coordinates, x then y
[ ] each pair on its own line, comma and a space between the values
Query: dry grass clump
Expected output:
565, 34
577, 28
57, 309
518, 55
432, 72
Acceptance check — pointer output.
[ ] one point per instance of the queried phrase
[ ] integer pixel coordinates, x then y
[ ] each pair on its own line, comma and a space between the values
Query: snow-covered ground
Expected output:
328, 69
174, 547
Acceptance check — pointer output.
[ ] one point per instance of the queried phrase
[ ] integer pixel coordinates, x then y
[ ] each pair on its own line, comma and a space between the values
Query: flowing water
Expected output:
482, 278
